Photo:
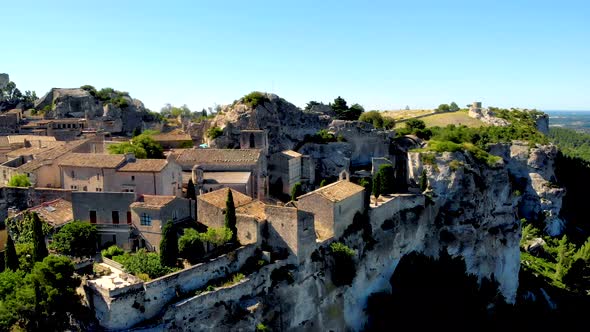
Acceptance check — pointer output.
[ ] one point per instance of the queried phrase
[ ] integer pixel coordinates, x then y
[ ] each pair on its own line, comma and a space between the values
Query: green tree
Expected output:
366, 183
323, 183
415, 124
214, 132
453, 107
296, 191
230, 215
127, 147
39, 246
75, 239
190, 245
565, 252
377, 186
387, 179
136, 131
443, 108
19, 180
10, 257
311, 104
153, 149
355, 111
190, 190
372, 117
169, 245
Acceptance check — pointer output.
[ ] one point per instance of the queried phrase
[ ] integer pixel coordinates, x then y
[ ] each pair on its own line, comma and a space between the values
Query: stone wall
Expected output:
128, 309
394, 204
249, 229
291, 229
24, 198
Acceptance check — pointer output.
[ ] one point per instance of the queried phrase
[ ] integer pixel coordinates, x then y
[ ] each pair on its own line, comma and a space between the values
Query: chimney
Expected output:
130, 157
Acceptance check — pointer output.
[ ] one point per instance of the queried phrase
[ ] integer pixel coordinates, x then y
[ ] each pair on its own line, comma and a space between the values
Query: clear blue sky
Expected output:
380, 54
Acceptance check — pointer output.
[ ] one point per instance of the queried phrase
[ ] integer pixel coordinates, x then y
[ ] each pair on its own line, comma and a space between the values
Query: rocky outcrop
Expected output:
79, 103
364, 140
532, 177
4, 79
487, 116
287, 125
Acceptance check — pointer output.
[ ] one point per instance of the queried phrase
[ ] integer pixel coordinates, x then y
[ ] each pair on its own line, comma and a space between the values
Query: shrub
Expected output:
387, 180
143, 262
296, 191
423, 181
343, 268
217, 236
19, 180
75, 239
260, 327
372, 117
111, 251
169, 245
255, 98
190, 245
214, 132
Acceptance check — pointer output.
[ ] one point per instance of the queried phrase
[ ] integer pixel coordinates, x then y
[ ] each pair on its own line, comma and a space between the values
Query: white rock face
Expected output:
487, 116
4, 79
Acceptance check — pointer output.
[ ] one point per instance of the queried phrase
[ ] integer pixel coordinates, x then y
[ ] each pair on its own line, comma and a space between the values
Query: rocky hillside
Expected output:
287, 124
106, 104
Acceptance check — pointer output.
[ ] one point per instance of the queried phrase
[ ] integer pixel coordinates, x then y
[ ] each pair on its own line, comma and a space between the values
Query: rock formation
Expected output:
4, 79
287, 125
486, 115
79, 103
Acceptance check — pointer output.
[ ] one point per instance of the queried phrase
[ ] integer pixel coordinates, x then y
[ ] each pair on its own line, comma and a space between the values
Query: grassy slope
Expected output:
439, 119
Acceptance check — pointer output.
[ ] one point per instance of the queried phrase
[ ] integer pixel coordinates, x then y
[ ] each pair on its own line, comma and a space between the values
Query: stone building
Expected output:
333, 206
61, 129
173, 140
254, 139
41, 165
201, 164
291, 229
211, 206
149, 215
285, 170
120, 173
56, 213
111, 214
9, 121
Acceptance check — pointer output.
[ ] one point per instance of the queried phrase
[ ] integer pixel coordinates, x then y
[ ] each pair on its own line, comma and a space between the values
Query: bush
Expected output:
190, 245
217, 236
296, 191
143, 262
19, 180
214, 132
255, 98
75, 239
372, 117
111, 251
343, 268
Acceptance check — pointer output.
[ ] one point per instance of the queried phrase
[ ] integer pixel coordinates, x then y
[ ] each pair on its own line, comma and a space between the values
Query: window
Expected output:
146, 220
98, 176
174, 215
98, 189
73, 175
115, 216
132, 177
252, 141
73, 187
128, 217
93, 217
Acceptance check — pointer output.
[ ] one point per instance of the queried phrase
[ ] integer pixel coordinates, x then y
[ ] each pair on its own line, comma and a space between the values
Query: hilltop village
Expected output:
262, 214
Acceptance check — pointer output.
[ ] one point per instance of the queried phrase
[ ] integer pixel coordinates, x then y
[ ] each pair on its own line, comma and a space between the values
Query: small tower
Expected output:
344, 175
197, 175
254, 139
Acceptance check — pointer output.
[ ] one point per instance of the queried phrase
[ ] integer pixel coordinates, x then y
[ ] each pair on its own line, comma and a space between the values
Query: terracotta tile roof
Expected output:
47, 157
13, 139
226, 177
292, 153
217, 156
254, 208
172, 137
34, 150
336, 191
94, 160
56, 213
4, 141
144, 165
218, 197
152, 201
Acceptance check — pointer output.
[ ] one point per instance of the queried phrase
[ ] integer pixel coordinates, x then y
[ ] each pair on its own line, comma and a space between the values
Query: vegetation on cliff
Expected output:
142, 146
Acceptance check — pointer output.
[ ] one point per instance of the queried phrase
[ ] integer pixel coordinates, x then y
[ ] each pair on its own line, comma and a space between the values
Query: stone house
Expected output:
149, 214
211, 206
173, 140
204, 164
61, 129
291, 229
111, 214
9, 121
333, 206
120, 173
40, 163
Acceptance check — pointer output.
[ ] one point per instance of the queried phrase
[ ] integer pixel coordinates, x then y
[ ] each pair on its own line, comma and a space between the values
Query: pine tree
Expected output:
39, 245
377, 186
168, 245
564, 257
190, 190
10, 257
230, 216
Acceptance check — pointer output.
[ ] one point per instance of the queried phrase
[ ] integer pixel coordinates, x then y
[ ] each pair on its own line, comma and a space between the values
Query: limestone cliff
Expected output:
287, 125
79, 103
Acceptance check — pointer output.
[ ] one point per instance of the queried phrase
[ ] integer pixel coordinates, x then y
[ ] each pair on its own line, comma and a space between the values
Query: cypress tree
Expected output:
10, 257
423, 181
230, 216
190, 190
39, 246
168, 245
296, 191
387, 179
377, 186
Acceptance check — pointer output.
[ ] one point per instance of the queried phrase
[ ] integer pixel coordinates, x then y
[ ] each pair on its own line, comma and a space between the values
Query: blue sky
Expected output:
380, 54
